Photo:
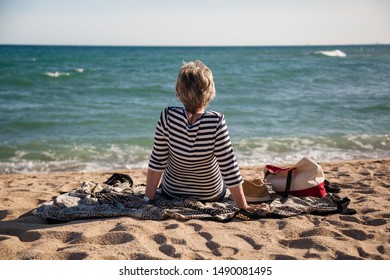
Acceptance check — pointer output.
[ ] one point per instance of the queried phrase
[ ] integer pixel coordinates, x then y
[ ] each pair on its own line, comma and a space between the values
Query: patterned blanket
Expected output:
121, 198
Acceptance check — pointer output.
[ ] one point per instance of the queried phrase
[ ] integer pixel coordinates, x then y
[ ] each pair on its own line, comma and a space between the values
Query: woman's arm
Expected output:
238, 196
152, 182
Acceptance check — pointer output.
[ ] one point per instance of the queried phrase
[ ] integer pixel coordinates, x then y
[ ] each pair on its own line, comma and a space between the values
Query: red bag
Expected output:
305, 178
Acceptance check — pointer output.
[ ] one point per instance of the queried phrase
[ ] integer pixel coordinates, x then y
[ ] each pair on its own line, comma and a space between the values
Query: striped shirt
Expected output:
197, 159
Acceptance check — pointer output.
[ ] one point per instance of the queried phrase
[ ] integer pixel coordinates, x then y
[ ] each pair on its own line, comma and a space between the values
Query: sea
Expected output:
80, 108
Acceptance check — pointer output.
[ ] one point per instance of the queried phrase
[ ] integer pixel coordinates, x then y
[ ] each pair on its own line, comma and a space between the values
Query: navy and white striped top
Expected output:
197, 159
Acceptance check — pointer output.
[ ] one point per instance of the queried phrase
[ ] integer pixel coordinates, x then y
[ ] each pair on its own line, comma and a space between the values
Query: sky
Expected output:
194, 23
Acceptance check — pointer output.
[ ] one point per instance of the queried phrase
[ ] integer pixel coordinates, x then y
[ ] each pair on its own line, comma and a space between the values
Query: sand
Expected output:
365, 235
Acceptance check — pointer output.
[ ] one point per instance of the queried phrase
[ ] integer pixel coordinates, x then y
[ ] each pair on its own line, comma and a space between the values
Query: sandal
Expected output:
331, 188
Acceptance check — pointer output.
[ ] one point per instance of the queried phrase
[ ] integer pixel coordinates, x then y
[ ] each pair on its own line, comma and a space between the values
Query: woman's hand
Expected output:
257, 207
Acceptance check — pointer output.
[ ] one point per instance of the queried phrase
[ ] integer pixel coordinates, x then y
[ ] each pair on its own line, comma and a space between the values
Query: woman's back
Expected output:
197, 157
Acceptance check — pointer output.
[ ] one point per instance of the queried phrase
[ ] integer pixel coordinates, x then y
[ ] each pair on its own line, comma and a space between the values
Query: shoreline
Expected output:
139, 169
365, 235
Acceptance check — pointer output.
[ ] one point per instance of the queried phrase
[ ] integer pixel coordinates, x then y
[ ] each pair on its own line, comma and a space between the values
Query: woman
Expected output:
192, 148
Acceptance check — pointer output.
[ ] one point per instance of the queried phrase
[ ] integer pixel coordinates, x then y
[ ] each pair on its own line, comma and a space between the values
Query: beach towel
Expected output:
99, 200
282, 207
121, 198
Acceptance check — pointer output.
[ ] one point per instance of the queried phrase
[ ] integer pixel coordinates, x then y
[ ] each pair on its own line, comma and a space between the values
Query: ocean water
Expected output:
95, 108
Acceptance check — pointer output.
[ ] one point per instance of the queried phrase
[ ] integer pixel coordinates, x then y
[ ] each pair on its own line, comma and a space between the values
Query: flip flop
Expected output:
119, 177
331, 187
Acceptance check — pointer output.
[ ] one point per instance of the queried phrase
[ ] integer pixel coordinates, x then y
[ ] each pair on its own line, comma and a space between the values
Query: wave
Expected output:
263, 151
249, 152
77, 158
334, 53
57, 74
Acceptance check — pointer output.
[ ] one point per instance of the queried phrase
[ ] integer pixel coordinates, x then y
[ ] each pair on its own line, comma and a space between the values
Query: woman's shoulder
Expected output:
173, 112
213, 117
213, 114
174, 109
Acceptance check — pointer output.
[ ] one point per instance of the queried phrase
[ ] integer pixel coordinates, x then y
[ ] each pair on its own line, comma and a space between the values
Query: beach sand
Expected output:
365, 235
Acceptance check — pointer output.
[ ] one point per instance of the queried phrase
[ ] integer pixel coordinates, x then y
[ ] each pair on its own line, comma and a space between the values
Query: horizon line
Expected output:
192, 46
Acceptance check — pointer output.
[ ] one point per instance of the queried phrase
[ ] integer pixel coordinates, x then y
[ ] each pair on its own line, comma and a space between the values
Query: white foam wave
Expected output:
249, 152
280, 151
329, 155
25, 166
78, 158
56, 74
334, 53
79, 70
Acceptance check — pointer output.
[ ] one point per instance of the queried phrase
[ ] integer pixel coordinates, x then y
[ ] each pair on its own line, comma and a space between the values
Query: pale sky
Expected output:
193, 23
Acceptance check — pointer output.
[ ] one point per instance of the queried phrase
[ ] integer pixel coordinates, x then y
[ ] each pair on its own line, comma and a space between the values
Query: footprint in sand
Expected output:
311, 255
173, 226
255, 245
369, 221
197, 227
374, 222
74, 256
165, 248
366, 255
34, 235
320, 231
216, 248
357, 234
112, 238
303, 243
213, 246
284, 257
282, 224
381, 249
343, 256
369, 210
364, 192
350, 219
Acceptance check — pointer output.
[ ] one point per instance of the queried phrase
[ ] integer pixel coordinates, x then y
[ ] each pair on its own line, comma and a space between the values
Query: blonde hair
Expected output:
195, 85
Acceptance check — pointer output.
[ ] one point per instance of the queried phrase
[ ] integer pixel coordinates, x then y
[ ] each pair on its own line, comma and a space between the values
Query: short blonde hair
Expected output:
195, 85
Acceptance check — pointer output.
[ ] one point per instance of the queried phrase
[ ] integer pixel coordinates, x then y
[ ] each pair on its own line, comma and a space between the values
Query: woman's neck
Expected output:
193, 117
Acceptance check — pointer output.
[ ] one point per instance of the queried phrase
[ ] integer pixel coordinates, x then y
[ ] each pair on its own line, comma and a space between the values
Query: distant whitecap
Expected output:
335, 53
56, 74
80, 70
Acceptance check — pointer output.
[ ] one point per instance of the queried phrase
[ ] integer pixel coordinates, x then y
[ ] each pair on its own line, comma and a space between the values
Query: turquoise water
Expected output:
95, 108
